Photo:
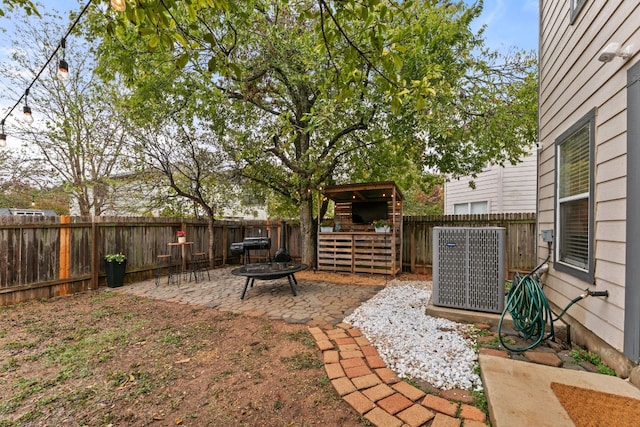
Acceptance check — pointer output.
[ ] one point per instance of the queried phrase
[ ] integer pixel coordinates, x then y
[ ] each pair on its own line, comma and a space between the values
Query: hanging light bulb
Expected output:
63, 70
28, 117
119, 5
63, 67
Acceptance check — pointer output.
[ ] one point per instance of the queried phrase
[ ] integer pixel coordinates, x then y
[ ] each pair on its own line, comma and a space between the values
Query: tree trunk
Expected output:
210, 220
307, 231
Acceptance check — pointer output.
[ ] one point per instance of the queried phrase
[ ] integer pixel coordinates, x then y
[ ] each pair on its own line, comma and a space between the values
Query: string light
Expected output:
28, 117
63, 69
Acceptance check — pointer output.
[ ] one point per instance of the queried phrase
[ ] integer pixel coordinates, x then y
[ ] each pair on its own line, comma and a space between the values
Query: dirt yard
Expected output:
108, 359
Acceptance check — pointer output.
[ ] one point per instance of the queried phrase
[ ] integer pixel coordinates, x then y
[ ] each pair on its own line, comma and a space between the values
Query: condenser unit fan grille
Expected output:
468, 268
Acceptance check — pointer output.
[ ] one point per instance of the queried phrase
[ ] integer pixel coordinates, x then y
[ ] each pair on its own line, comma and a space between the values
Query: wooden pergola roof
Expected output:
363, 192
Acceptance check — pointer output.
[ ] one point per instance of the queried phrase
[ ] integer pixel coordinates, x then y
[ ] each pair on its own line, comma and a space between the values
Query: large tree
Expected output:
316, 89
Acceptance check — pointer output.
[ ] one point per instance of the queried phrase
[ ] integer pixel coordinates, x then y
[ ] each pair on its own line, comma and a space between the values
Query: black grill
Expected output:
250, 244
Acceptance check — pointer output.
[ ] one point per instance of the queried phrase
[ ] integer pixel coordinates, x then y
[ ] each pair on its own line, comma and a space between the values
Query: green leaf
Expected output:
153, 41
182, 60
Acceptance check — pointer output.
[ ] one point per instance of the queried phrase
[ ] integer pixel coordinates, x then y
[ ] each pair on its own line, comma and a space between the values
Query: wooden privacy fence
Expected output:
520, 238
43, 257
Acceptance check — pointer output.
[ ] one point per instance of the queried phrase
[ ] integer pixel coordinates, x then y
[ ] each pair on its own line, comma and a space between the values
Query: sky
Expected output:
509, 24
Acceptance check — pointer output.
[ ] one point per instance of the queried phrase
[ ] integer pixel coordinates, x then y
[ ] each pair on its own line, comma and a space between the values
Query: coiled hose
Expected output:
530, 310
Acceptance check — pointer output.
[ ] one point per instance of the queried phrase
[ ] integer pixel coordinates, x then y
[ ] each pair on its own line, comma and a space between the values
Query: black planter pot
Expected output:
115, 273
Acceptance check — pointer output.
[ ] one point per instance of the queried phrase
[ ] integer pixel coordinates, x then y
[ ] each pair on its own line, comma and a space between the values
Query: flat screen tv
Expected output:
367, 212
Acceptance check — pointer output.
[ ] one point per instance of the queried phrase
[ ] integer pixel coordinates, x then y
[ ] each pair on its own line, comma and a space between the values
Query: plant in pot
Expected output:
115, 266
326, 226
182, 236
382, 225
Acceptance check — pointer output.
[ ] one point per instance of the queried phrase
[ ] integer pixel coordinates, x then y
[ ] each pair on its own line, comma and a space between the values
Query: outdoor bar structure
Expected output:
353, 245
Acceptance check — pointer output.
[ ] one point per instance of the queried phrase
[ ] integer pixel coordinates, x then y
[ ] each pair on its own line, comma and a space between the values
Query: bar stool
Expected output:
164, 262
199, 259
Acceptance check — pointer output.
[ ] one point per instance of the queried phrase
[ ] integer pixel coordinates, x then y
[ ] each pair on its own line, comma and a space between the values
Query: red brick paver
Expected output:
387, 375
331, 356
378, 392
343, 386
494, 352
375, 362
409, 391
395, 403
442, 420
359, 402
334, 370
357, 371
381, 418
542, 358
472, 413
350, 363
366, 381
416, 415
440, 405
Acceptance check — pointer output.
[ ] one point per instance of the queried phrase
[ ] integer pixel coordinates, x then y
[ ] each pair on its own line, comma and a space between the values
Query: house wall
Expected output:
508, 189
573, 82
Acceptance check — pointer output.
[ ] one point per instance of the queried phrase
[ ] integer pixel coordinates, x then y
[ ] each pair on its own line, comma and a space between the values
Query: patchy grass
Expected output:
303, 360
105, 358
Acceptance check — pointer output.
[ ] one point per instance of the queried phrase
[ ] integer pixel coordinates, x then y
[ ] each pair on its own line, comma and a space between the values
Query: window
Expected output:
574, 199
576, 7
471, 208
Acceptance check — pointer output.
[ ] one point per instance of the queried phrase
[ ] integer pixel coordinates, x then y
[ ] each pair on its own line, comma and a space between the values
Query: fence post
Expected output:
95, 254
65, 253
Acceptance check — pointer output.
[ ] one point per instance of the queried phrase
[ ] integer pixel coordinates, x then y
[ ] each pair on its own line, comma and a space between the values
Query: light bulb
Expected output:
119, 5
3, 140
63, 70
28, 117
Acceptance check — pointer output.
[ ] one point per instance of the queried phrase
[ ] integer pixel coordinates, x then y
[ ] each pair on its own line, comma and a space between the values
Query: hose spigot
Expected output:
589, 293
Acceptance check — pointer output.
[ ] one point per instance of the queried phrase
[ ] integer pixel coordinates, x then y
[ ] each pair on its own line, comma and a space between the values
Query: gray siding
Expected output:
572, 82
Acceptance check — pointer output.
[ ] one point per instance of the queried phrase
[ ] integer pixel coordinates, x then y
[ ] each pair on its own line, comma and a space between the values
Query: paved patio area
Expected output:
317, 303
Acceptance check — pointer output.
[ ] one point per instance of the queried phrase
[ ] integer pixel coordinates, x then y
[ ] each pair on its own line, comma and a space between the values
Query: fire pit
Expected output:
269, 271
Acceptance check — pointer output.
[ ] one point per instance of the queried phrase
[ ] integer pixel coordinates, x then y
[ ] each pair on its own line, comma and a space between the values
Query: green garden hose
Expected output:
529, 308
530, 311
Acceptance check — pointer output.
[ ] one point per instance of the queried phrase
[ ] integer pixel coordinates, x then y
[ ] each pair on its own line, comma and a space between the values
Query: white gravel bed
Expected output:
415, 345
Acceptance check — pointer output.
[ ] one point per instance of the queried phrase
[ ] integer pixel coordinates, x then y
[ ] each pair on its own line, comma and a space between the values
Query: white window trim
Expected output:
468, 205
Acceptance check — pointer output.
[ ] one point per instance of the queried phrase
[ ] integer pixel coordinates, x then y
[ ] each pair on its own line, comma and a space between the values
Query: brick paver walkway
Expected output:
359, 375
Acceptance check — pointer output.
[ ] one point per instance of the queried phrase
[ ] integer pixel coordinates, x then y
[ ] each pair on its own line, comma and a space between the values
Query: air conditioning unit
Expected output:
468, 268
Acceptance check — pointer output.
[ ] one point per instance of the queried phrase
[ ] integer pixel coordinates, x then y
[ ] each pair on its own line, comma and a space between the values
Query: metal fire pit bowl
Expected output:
269, 271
